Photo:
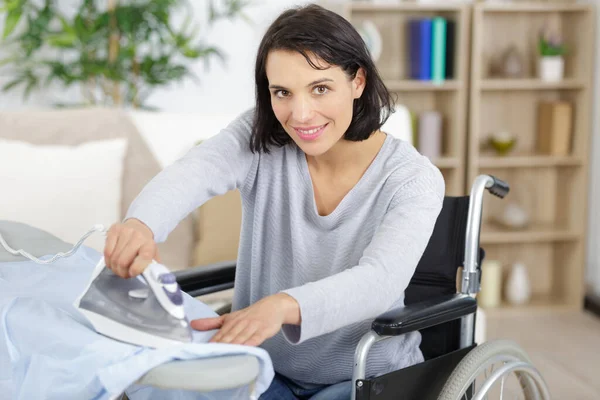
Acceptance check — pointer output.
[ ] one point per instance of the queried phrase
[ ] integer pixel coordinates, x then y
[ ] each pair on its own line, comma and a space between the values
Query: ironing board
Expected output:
202, 375
205, 375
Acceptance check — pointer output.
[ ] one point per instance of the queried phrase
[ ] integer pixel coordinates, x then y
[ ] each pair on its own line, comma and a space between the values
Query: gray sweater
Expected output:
344, 269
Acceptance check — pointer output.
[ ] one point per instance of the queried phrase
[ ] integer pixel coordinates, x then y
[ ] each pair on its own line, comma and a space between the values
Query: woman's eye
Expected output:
281, 93
321, 89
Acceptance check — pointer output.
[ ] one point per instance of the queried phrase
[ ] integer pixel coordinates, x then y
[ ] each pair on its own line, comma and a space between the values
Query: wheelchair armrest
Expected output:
424, 314
198, 281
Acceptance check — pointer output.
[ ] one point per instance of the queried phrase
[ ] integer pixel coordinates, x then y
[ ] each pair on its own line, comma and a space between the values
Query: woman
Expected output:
336, 213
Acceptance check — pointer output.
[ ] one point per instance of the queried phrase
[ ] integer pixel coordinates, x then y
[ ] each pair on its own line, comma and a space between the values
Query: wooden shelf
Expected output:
531, 84
528, 161
415, 85
549, 188
447, 162
367, 6
536, 233
534, 7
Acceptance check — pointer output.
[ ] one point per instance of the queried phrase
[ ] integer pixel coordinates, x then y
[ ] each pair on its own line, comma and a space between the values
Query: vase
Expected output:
551, 68
430, 134
518, 286
512, 63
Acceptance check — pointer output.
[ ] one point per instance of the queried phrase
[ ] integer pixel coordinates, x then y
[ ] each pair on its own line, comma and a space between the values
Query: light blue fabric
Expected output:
48, 350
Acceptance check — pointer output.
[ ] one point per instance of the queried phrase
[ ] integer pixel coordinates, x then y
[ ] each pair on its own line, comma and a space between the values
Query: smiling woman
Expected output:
336, 213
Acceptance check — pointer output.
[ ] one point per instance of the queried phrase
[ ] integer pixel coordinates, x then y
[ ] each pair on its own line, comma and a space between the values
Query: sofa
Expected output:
152, 141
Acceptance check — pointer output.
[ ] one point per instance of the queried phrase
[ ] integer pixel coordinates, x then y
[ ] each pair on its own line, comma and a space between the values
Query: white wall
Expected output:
228, 88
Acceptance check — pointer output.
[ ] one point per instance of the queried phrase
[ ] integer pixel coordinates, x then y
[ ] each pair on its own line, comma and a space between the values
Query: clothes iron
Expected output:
146, 312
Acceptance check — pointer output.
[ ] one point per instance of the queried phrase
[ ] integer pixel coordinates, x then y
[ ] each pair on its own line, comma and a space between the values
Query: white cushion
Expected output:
399, 124
170, 135
64, 190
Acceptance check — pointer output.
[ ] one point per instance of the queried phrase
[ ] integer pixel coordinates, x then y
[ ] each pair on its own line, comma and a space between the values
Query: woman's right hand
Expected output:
129, 248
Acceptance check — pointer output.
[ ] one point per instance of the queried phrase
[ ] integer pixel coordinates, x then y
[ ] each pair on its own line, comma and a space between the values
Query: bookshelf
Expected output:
448, 97
553, 189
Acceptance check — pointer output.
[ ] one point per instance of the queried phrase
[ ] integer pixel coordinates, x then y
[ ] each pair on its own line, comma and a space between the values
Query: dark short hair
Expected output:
315, 30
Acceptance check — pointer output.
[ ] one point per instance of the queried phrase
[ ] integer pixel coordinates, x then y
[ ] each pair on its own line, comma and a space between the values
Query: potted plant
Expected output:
117, 52
551, 63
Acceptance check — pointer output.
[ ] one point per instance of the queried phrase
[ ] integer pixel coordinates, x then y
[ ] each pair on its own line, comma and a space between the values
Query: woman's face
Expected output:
314, 106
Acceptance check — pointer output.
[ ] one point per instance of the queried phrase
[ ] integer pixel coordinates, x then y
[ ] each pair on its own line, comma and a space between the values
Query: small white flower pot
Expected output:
551, 68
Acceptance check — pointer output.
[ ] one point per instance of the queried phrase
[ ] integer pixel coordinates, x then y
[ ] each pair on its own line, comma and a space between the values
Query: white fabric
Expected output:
73, 187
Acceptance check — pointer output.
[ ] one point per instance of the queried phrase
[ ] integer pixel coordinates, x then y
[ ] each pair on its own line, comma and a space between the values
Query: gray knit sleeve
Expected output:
214, 167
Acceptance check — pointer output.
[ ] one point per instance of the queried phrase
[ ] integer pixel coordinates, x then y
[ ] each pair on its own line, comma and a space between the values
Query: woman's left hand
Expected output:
252, 325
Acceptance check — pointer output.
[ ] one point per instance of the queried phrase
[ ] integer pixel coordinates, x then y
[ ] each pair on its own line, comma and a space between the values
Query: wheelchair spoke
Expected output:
506, 387
502, 387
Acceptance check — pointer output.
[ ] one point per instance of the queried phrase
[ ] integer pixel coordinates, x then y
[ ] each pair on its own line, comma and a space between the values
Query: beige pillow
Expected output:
76, 126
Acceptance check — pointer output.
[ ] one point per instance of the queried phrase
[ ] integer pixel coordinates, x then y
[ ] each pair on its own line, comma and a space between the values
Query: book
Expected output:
419, 44
450, 48
438, 49
554, 128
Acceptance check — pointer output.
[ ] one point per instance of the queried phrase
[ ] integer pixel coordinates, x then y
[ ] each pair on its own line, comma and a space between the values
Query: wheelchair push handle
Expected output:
498, 188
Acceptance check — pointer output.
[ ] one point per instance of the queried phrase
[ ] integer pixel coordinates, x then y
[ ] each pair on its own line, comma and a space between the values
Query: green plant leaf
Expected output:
9, 60
32, 82
12, 84
62, 40
11, 5
66, 26
11, 21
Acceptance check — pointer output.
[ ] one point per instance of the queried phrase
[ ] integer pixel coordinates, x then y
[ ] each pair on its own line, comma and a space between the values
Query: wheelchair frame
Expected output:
462, 305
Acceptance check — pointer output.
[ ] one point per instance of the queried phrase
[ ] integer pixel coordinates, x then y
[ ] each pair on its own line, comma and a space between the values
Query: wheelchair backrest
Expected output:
436, 272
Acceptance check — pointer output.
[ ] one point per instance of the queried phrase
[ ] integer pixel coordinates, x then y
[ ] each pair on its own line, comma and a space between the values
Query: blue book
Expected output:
419, 36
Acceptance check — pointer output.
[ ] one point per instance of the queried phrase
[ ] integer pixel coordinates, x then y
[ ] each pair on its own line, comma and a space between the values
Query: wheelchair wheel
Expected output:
498, 369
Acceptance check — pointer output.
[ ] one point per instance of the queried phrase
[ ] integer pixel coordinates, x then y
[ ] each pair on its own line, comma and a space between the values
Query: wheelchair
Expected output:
455, 367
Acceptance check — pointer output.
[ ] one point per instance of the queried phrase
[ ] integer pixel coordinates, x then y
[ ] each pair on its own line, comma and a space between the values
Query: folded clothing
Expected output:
48, 349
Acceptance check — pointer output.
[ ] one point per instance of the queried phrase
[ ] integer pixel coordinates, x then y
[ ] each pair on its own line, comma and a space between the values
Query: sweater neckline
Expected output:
304, 171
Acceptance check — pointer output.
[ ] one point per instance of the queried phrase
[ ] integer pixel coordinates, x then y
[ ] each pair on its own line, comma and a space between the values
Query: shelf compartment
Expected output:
552, 270
522, 29
516, 112
528, 161
530, 84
